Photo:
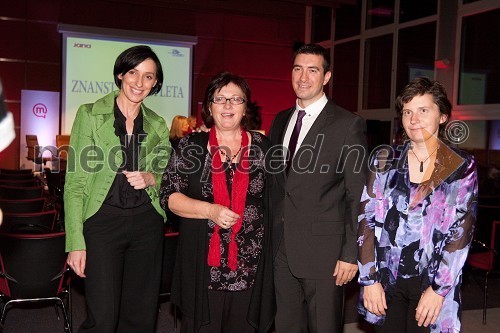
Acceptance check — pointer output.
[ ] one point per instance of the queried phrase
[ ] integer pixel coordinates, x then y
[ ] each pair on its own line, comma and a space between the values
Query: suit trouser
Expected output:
306, 305
123, 270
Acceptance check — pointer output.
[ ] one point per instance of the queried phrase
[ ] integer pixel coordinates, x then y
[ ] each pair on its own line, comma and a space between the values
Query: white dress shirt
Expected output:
312, 112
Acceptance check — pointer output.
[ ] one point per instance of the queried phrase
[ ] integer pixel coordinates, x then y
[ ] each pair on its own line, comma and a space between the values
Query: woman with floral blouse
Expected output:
216, 183
416, 223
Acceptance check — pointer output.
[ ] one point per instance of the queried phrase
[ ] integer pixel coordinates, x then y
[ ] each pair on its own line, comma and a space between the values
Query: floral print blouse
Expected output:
195, 181
438, 215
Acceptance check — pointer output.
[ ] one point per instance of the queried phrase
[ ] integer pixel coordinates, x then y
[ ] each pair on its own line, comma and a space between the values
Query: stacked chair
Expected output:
32, 247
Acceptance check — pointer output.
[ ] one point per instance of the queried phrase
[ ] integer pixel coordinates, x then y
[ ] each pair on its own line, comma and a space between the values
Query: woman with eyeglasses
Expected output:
216, 183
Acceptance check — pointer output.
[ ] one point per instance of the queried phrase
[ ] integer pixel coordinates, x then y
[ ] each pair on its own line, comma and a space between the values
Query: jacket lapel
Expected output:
325, 118
103, 112
152, 139
281, 176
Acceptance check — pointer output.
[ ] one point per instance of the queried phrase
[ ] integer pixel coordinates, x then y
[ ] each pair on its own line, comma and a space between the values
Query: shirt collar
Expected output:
315, 108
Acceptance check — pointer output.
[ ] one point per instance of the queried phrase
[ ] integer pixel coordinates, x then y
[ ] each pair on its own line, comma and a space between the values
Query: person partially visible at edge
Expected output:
114, 222
418, 212
216, 182
315, 200
193, 123
7, 133
179, 128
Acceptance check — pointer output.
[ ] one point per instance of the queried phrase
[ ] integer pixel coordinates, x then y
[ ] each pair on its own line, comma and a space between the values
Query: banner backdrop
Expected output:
39, 116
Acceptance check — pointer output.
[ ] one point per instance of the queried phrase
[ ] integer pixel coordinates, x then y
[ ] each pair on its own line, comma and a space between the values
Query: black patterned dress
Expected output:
189, 172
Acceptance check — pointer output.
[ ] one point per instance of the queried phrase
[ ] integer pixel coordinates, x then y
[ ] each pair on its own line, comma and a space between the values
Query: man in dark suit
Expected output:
315, 197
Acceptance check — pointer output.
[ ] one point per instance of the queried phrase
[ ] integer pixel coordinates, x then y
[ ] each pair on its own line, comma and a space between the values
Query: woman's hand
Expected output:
76, 260
429, 307
140, 180
374, 299
222, 216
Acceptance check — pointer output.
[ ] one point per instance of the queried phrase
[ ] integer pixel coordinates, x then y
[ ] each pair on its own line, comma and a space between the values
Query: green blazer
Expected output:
95, 156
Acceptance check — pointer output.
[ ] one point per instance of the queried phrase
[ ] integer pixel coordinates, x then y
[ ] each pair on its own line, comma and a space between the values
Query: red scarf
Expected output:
221, 196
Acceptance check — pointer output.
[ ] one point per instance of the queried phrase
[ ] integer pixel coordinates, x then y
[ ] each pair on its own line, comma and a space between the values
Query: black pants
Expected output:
123, 269
401, 312
228, 313
306, 305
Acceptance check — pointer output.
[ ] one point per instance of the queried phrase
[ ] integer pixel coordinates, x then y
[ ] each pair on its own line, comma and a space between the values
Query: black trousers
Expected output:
228, 313
400, 313
306, 305
123, 270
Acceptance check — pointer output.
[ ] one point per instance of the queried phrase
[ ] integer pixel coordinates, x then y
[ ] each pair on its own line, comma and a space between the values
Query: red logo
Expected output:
40, 110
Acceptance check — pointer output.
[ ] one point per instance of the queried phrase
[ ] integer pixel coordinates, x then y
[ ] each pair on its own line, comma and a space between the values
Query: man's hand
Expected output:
429, 307
374, 299
344, 272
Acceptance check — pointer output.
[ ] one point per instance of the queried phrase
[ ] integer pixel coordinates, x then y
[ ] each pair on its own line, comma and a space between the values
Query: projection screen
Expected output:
89, 54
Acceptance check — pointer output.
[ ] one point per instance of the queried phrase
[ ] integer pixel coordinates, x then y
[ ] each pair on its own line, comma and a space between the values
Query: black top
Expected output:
121, 194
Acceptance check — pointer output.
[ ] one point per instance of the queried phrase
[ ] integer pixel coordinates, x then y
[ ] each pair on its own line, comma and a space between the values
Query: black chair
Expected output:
17, 176
485, 259
42, 222
489, 200
33, 269
19, 182
22, 206
169, 253
35, 153
16, 172
55, 183
20, 193
486, 214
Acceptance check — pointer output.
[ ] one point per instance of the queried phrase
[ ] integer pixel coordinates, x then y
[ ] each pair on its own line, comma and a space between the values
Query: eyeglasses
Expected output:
235, 100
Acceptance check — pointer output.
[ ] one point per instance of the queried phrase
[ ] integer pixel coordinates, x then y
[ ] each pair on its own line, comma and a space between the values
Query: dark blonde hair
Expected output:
178, 123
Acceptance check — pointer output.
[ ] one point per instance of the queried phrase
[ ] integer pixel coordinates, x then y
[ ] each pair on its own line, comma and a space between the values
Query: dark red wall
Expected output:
256, 44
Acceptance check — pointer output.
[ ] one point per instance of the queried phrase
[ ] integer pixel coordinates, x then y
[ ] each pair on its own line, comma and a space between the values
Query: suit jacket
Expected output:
88, 179
315, 207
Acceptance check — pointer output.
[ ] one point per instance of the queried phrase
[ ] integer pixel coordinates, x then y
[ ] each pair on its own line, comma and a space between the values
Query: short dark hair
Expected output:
132, 57
314, 49
421, 86
251, 118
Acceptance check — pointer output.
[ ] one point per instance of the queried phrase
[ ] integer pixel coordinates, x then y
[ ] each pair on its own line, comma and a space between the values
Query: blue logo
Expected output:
176, 53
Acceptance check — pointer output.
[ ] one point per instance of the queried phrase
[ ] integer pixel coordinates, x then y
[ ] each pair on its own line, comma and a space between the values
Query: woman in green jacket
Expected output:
113, 218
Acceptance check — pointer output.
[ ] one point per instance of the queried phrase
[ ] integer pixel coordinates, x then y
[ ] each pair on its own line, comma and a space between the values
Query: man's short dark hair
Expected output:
314, 49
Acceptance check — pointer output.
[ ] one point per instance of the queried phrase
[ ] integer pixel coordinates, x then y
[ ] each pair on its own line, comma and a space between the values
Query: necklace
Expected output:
229, 159
422, 162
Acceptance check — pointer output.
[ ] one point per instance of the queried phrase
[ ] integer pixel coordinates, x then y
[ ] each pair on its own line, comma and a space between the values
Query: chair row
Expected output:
15, 171
33, 269
20, 193
42, 222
